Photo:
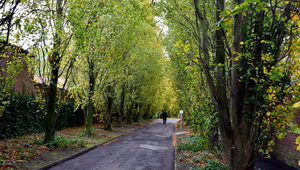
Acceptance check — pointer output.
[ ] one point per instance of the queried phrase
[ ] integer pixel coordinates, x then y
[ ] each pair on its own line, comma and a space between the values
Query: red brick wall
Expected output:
285, 149
23, 80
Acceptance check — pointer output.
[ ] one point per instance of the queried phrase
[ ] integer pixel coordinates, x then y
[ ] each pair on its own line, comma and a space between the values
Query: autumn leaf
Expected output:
294, 16
281, 136
296, 104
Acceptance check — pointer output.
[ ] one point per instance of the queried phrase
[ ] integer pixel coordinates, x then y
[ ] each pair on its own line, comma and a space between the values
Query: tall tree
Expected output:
247, 70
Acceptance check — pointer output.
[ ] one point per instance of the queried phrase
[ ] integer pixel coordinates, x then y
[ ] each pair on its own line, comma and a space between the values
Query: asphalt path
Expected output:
149, 148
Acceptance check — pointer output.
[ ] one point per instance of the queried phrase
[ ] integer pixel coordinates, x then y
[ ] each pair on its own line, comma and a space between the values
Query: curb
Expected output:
175, 166
86, 150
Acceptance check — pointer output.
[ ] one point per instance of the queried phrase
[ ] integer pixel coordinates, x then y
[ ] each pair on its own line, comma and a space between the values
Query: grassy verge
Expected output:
192, 153
28, 152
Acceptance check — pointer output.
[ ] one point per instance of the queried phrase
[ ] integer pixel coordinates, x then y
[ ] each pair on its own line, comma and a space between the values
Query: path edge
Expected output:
85, 151
175, 165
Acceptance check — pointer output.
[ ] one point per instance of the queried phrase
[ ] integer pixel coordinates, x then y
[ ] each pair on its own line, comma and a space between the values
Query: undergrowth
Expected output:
195, 154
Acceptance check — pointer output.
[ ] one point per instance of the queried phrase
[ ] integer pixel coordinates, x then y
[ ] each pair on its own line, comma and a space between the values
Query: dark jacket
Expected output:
164, 115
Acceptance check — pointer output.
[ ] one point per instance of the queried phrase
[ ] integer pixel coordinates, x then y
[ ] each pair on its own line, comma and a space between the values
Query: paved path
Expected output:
149, 148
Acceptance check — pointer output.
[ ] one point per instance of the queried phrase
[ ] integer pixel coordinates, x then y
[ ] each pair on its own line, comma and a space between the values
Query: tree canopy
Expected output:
232, 66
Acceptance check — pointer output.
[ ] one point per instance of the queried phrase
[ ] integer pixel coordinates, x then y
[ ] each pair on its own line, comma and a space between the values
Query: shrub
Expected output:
214, 165
193, 143
23, 116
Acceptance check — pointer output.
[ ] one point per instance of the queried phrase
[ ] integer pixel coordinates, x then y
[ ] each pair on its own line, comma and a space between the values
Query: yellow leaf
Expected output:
298, 140
280, 136
298, 147
294, 16
244, 13
296, 104
241, 42
268, 113
286, 2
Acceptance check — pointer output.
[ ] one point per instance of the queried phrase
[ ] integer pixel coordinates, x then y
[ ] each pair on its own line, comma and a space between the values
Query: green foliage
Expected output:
24, 116
62, 142
21, 117
194, 143
68, 117
214, 165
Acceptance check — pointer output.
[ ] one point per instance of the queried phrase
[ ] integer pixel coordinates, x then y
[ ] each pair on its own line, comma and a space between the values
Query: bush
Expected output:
68, 118
214, 165
23, 116
194, 144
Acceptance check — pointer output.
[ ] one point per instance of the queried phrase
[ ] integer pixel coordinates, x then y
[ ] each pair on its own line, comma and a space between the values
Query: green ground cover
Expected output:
192, 152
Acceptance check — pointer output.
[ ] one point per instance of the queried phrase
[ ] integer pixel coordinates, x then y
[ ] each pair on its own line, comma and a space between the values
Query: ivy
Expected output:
24, 116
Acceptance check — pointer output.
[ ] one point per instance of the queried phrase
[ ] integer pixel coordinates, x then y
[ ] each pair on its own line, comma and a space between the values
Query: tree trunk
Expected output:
220, 73
109, 102
90, 104
147, 110
121, 106
51, 107
55, 59
129, 113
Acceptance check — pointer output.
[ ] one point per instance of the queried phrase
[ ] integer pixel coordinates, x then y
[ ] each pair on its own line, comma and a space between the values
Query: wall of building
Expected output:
285, 149
23, 80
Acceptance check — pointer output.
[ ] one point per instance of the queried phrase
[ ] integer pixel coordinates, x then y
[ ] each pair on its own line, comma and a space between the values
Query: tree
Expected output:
8, 10
249, 70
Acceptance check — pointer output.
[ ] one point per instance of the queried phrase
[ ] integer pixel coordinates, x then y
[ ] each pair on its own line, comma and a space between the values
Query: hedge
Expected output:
23, 116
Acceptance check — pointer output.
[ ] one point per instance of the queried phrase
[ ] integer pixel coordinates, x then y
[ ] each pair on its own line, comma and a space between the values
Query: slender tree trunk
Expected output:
51, 107
136, 113
54, 64
147, 110
90, 104
129, 112
121, 106
220, 71
109, 102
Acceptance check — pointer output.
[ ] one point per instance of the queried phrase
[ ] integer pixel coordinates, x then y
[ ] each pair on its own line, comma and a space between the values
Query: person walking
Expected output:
164, 115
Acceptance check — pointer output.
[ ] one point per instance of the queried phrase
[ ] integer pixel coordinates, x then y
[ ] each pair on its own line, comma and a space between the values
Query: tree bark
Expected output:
129, 113
55, 59
109, 102
121, 105
90, 104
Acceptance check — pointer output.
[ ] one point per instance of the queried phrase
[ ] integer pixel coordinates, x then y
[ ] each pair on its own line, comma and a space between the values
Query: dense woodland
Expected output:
232, 66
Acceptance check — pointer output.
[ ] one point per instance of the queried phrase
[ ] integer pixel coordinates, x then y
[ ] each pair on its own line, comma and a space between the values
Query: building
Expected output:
14, 70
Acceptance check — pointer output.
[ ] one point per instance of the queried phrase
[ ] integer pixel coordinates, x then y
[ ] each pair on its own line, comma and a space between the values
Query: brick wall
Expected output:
285, 149
23, 80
